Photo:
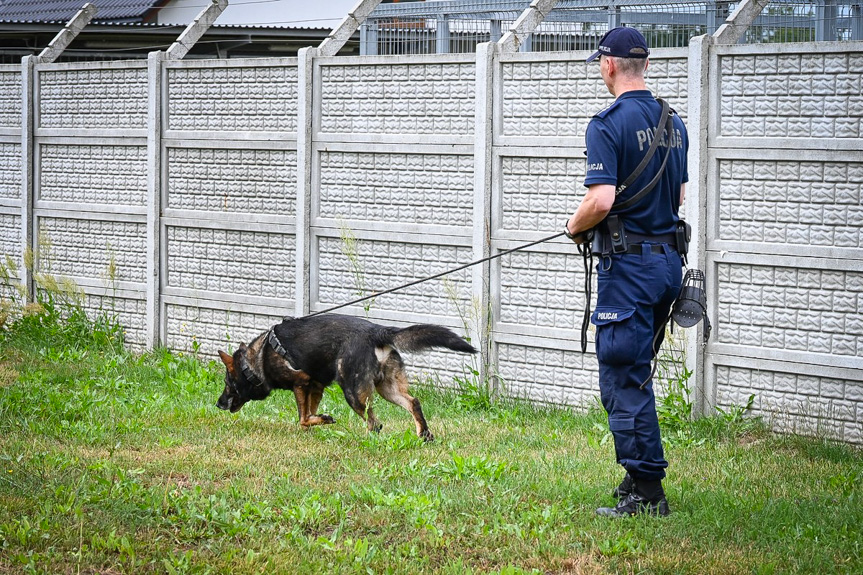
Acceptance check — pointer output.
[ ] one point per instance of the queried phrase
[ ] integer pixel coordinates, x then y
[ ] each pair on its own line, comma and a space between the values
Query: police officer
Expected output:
638, 278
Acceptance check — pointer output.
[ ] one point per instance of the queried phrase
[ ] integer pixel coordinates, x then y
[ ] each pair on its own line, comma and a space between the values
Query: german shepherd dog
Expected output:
308, 354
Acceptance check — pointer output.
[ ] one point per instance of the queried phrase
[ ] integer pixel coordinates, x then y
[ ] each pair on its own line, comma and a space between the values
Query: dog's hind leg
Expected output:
357, 368
359, 397
394, 388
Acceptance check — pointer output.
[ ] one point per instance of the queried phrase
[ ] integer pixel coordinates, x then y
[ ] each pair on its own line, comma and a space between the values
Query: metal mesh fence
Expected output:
458, 26
806, 22
436, 27
579, 27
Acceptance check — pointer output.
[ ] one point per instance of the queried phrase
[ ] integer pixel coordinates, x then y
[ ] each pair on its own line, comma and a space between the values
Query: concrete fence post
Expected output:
68, 34
305, 163
155, 332
28, 91
739, 21
486, 56
369, 39
519, 35
197, 28
857, 22
442, 35
695, 205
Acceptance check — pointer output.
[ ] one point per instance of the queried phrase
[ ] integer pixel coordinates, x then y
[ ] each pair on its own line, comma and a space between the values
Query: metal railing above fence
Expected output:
459, 25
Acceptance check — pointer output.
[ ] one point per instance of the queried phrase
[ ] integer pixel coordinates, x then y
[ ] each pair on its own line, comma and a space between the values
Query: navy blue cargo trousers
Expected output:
635, 292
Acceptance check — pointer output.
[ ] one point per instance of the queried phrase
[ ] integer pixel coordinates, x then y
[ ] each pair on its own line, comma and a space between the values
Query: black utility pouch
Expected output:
616, 234
684, 234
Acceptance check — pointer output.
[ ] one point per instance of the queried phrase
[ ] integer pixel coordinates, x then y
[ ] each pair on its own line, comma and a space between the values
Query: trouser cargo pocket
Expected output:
615, 335
623, 430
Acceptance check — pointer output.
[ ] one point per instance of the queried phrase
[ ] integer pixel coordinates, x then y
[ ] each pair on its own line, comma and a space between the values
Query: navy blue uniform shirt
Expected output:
617, 139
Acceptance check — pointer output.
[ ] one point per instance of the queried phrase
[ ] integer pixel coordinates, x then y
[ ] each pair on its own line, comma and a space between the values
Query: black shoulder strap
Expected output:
666, 117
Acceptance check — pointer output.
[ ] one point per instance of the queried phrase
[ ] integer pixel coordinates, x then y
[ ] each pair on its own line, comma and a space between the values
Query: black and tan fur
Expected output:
357, 354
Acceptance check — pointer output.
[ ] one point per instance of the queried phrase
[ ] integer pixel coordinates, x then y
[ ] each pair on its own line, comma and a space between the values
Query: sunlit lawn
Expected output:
117, 463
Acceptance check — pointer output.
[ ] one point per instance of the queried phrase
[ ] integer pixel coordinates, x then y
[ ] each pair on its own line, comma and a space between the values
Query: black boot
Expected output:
624, 489
646, 497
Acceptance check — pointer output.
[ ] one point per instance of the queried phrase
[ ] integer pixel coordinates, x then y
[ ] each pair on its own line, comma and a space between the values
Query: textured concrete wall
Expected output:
545, 103
219, 191
89, 187
785, 205
229, 192
11, 235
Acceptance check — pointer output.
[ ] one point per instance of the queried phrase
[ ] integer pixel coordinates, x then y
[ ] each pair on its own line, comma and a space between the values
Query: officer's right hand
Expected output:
579, 238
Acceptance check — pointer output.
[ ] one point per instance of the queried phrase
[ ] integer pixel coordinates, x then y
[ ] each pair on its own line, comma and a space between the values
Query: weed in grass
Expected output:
846, 484
399, 442
513, 570
350, 249
180, 562
478, 389
479, 469
625, 544
13, 296
674, 406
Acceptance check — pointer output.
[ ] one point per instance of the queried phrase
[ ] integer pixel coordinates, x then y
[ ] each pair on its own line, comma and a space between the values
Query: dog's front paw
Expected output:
327, 419
427, 436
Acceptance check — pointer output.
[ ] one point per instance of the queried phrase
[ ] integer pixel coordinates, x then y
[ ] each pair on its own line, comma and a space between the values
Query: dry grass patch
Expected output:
8, 374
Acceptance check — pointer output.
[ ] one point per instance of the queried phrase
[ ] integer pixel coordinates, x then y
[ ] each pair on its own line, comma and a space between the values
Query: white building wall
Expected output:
279, 13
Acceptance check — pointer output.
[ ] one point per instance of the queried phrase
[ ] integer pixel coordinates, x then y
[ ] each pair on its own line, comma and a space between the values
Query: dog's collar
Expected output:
277, 347
248, 373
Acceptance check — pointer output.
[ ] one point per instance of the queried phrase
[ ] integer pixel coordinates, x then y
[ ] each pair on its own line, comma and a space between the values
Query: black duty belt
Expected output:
657, 249
633, 238
635, 241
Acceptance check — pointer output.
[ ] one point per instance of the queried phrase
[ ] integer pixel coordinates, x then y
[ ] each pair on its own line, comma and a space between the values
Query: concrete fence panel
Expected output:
784, 205
11, 200
229, 196
90, 183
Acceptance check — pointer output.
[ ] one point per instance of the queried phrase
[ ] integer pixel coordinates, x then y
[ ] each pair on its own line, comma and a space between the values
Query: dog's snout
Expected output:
224, 403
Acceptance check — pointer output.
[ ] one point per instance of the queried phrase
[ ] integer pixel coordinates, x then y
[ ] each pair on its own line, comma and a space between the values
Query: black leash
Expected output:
586, 252
419, 281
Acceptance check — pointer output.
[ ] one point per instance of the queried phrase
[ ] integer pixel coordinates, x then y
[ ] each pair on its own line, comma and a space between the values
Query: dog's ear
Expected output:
228, 361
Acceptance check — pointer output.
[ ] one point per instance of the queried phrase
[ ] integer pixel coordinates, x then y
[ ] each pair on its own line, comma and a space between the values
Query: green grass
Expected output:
118, 463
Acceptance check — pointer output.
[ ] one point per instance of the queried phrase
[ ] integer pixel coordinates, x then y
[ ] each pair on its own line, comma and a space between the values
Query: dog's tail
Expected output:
425, 336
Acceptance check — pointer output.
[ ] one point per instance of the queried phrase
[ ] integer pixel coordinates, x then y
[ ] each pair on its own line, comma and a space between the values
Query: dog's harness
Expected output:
274, 342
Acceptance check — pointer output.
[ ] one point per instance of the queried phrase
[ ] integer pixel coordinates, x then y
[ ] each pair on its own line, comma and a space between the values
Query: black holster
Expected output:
683, 234
610, 236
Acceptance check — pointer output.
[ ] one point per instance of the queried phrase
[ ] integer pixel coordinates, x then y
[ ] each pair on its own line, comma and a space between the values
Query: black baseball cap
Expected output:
622, 42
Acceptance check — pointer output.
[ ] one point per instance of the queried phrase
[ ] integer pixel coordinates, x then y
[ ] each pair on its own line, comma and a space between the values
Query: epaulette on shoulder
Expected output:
603, 113
671, 110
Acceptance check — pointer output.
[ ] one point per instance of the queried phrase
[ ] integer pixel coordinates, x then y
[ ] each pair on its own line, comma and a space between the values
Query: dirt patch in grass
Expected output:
8, 374
586, 564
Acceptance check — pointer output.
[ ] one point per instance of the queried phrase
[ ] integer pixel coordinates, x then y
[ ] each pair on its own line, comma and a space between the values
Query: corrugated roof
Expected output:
63, 10
146, 25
